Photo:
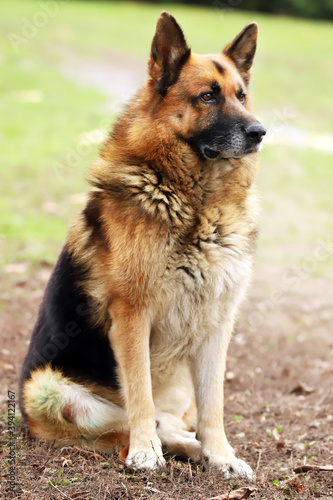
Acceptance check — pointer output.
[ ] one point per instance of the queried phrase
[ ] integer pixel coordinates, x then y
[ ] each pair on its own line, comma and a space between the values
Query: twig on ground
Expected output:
61, 492
306, 468
259, 458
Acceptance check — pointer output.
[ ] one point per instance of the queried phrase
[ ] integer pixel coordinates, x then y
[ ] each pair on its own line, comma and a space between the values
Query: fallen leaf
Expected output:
293, 482
123, 454
302, 389
306, 468
239, 494
38, 468
81, 494
88, 454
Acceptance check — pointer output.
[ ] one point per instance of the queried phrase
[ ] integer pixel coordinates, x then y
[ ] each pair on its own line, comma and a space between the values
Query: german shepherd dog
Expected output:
130, 344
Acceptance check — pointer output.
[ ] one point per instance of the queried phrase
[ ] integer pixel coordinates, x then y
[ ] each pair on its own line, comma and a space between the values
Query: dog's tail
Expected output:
66, 412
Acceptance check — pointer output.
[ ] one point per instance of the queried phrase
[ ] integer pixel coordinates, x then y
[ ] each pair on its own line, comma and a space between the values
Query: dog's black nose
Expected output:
255, 132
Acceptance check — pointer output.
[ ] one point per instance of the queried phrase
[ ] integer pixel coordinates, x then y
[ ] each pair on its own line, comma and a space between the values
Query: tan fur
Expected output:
163, 209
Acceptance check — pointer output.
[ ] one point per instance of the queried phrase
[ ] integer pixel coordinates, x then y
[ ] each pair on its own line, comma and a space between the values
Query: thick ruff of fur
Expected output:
130, 344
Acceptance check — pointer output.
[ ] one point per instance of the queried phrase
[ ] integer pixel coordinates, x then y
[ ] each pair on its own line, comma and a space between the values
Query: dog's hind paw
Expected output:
144, 460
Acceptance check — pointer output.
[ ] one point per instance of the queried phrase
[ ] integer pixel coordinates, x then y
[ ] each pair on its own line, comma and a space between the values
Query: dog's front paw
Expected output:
144, 460
232, 468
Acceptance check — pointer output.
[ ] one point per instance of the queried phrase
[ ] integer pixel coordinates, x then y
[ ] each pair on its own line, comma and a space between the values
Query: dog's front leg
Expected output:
129, 337
208, 367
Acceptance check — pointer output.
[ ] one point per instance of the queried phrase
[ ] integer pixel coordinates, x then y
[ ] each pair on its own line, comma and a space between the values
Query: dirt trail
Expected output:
118, 76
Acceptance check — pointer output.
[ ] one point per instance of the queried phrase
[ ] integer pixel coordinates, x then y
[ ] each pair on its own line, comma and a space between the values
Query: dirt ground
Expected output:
279, 403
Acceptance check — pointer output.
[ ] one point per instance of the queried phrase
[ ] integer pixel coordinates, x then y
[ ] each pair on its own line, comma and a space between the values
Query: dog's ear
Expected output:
242, 49
169, 52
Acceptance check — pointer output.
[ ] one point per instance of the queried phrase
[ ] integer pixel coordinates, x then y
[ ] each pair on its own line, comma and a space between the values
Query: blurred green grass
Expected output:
293, 71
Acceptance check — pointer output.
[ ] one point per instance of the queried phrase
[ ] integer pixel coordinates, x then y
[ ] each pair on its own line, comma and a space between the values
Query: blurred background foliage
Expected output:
316, 9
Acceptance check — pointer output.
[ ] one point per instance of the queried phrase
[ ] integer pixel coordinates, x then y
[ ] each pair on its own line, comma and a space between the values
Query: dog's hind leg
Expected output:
176, 440
66, 413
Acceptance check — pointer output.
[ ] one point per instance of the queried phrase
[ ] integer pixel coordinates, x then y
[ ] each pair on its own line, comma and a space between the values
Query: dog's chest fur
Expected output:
205, 278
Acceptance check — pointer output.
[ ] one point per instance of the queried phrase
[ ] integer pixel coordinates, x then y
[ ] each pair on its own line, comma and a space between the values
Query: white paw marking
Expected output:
144, 460
232, 468
238, 468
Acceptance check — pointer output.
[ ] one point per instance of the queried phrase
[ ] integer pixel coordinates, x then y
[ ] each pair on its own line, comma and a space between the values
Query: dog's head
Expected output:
204, 98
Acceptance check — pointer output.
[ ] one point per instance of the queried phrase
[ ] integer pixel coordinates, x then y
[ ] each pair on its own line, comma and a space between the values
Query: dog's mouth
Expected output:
209, 153
212, 154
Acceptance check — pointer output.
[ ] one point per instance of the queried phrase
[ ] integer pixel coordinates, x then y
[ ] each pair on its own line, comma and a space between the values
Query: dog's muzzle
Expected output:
236, 144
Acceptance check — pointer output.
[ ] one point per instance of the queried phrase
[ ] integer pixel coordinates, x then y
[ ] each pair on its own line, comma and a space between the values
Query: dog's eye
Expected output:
242, 97
209, 96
